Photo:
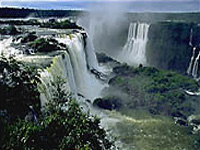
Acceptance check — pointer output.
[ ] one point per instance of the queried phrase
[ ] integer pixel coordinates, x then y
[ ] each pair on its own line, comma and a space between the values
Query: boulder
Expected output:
110, 103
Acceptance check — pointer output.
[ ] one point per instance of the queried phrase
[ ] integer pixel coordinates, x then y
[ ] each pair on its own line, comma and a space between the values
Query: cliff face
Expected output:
168, 45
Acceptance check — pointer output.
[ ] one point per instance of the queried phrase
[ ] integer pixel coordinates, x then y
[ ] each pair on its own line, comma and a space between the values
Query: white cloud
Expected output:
102, 0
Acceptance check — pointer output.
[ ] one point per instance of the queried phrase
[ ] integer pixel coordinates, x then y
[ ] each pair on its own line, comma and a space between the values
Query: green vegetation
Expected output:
51, 23
143, 100
46, 45
61, 124
21, 22
18, 86
142, 131
30, 37
158, 91
60, 127
9, 30
24, 13
66, 24
192, 17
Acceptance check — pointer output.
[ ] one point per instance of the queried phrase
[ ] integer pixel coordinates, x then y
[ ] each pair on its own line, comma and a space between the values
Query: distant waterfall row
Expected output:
75, 66
134, 51
194, 61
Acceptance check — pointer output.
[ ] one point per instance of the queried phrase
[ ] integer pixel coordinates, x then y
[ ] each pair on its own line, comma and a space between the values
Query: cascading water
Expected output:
60, 68
134, 51
191, 37
90, 54
74, 65
80, 58
189, 70
194, 62
196, 66
6, 49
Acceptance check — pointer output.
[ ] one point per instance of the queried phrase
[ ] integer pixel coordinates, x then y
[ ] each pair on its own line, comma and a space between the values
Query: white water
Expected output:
90, 55
134, 51
191, 36
196, 66
73, 65
6, 49
194, 62
192, 93
86, 83
46, 87
189, 70
60, 68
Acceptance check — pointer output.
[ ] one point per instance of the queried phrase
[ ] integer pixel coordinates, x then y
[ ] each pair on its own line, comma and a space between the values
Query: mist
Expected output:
106, 25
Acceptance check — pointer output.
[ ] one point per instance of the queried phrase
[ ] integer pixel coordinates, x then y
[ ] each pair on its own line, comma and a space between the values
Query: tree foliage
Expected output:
18, 86
158, 91
46, 45
61, 124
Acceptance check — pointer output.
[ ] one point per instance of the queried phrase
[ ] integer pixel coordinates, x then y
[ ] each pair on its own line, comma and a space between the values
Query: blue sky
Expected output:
133, 5
105, 0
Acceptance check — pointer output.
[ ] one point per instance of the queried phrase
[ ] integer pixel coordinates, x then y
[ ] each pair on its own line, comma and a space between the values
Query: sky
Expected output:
104, 0
135, 5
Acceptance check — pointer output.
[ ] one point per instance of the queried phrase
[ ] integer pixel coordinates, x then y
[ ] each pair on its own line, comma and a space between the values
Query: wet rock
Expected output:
107, 103
30, 37
180, 121
194, 119
179, 115
194, 123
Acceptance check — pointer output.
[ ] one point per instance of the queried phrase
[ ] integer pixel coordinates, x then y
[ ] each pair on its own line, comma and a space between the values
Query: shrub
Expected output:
30, 37
46, 45
18, 86
9, 30
159, 91
62, 125
66, 24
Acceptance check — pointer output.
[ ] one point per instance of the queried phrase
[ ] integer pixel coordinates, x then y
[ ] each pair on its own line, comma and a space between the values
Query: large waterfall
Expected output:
86, 84
77, 66
74, 65
134, 51
60, 69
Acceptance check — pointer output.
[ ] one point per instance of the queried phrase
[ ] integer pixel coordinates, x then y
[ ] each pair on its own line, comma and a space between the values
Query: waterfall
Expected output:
134, 51
194, 62
45, 87
81, 57
90, 54
60, 68
191, 61
196, 66
77, 65
191, 37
